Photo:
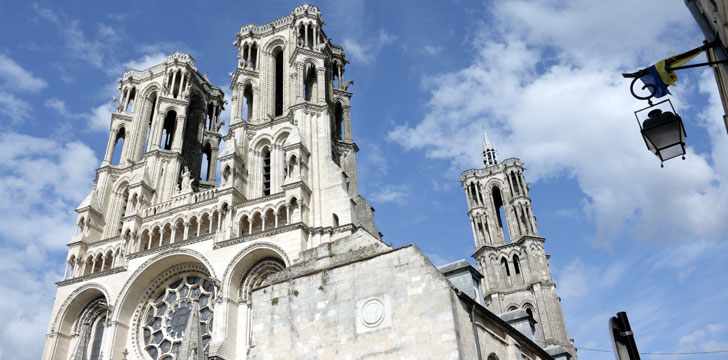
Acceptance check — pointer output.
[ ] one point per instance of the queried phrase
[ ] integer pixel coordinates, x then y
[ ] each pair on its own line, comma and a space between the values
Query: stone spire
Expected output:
490, 156
191, 347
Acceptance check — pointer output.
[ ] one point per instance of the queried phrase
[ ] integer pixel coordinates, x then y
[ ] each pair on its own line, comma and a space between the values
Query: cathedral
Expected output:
280, 257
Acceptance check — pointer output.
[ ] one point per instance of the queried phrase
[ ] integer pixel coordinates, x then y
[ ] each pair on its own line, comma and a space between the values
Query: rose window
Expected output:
166, 316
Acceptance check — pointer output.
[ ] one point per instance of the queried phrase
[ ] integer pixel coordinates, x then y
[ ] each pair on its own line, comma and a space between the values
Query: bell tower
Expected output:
509, 251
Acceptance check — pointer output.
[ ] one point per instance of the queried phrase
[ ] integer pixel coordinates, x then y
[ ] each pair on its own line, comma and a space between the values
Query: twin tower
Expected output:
167, 256
509, 252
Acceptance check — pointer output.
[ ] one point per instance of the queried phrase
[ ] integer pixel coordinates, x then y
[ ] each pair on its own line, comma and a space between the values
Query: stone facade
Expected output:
280, 258
711, 16
508, 250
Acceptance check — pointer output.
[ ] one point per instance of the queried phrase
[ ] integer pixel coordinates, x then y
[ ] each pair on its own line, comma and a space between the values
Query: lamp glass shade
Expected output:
664, 135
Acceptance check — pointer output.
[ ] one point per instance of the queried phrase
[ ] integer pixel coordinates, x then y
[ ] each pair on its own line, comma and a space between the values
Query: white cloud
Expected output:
14, 78
42, 182
145, 62
99, 118
77, 44
59, 106
364, 51
397, 194
431, 50
556, 100
13, 108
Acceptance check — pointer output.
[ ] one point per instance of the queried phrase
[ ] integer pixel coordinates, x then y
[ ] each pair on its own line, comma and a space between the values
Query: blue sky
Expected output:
542, 76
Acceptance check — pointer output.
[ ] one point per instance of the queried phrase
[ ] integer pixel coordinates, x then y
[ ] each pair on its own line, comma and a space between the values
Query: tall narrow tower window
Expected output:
504, 264
516, 267
339, 122
500, 212
118, 146
309, 82
168, 130
248, 103
473, 194
266, 171
122, 210
278, 81
206, 162
149, 108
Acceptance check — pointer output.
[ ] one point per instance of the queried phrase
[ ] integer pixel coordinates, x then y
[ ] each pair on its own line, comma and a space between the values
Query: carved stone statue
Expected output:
345, 85
186, 184
119, 105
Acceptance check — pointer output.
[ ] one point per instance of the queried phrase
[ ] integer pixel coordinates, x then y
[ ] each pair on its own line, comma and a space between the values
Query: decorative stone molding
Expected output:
72, 297
262, 234
91, 276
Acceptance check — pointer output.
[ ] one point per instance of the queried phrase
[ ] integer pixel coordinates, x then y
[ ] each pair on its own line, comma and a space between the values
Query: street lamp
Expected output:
663, 131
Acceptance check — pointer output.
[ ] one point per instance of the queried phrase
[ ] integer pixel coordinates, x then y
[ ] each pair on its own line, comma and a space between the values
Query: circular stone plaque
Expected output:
372, 313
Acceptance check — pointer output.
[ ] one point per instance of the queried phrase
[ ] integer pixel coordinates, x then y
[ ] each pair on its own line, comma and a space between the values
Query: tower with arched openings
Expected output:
508, 249
191, 212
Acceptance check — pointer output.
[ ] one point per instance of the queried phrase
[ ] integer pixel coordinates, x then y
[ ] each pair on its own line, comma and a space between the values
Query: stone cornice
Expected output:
297, 184
350, 145
519, 288
261, 234
492, 169
295, 146
525, 238
173, 100
343, 93
305, 52
259, 200
79, 279
252, 128
243, 72
308, 107
121, 117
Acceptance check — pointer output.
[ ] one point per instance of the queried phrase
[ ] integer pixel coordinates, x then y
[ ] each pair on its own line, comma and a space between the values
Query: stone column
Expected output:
178, 133
475, 235
305, 36
321, 85
256, 103
65, 272
186, 230
156, 132
248, 61
174, 82
109, 148
347, 121
275, 217
213, 164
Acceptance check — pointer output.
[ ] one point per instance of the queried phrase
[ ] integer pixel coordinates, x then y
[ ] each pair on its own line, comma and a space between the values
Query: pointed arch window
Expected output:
118, 146
516, 266
338, 122
266, 171
500, 212
170, 123
278, 81
247, 111
309, 82
149, 108
122, 210
206, 162
504, 264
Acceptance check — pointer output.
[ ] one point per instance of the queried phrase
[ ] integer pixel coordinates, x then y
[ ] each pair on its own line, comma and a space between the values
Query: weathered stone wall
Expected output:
392, 305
